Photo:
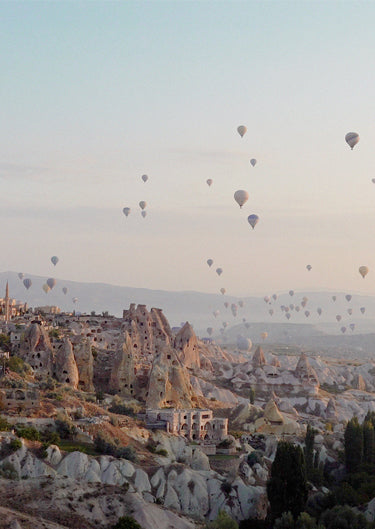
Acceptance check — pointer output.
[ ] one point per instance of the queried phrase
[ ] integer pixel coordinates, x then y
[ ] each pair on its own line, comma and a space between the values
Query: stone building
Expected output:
193, 424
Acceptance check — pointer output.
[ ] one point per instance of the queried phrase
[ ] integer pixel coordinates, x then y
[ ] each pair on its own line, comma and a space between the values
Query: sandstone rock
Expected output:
65, 369
36, 349
85, 364
258, 358
141, 482
186, 345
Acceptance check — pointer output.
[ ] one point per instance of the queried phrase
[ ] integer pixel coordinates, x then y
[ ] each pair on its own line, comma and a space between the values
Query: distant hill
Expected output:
198, 307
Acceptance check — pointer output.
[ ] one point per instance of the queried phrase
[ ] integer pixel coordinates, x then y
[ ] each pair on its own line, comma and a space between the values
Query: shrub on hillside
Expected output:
105, 445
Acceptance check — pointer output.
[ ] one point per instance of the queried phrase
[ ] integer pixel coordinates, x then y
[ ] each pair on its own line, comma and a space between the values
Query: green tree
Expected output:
126, 522
223, 521
343, 517
287, 487
286, 521
5, 342
353, 445
305, 521
309, 451
368, 442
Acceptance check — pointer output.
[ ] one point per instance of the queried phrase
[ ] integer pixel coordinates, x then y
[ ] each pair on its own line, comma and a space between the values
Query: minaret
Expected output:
7, 311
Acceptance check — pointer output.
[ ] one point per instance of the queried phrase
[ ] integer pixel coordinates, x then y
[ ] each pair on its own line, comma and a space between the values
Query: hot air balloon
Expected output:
363, 310
253, 220
348, 297
291, 306
334, 298
274, 297
241, 303
21, 275
363, 270
338, 317
297, 308
352, 326
263, 335
210, 262
287, 315
144, 178
234, 309
126, 211
226, 304
225, 324
46, 288
27, 283
54, 260
144, 214
74, 300
142, 204
222, 290
51, 282
291, 292
352, 138
241, 197
266, 299
209, 182
270, 312
373, 180
319, 311
65, 290
241, 130
243, 344
210, 330
309, 267
219, 271
253, 162
216, 313
350, 311
343, 329
307, 313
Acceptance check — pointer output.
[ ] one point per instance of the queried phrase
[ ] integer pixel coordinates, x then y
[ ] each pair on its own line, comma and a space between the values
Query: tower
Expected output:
7, 307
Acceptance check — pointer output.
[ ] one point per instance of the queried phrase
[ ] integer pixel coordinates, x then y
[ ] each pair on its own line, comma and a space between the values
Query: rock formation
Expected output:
36, 349
258, 358
65, 368
186, 345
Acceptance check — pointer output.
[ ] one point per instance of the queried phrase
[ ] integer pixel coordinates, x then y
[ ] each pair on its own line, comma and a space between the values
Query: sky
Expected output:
97, 93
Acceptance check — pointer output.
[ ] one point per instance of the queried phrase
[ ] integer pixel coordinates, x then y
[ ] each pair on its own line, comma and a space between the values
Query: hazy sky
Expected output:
94, 94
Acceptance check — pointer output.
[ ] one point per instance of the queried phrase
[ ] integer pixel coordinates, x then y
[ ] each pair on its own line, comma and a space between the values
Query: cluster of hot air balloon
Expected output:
49, 284
142, 204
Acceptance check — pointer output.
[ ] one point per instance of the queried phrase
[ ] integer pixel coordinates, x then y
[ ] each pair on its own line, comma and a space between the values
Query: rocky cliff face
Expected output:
36, 349
65, 368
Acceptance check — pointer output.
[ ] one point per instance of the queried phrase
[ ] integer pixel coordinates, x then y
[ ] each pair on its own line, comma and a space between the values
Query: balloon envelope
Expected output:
338, 317
51, 282
352, 138
126, 211
363, 310
144, 178
210, 330
65, 290
243, 344
144, 214
343, 329
241, 197
21, 275
209, 182
27, 283
142, 204
348, 297
219, 271
46, 288
253, 220
74, 300
54, 260
242, 130
309, 267
291, 292
334, 298
363, 270
253, 162
210, 262
222, 290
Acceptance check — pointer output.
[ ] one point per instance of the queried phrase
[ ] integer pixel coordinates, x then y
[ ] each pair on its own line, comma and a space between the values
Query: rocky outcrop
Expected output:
259, 358
36, 349
85, 364
122, 378
169, 383
186, 345
305, 372
65, 368
358, 382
